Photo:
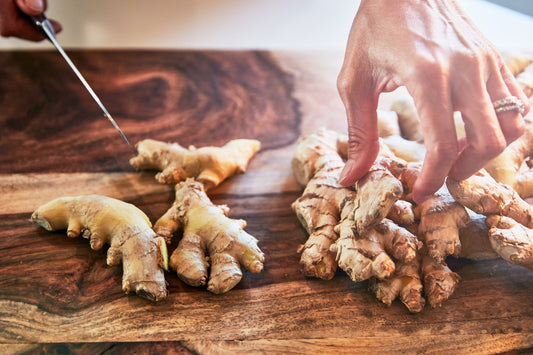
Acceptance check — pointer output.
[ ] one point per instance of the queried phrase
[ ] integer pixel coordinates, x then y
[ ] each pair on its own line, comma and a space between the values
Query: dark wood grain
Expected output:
57, 290
51, 124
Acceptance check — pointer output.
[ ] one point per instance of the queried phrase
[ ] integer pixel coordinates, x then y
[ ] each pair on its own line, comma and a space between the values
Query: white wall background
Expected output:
240, 24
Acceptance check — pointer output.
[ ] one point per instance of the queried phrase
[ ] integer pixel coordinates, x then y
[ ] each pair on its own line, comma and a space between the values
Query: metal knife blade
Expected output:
44, 25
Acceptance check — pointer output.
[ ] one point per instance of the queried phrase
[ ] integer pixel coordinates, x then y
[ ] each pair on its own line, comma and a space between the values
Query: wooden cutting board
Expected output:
55, 142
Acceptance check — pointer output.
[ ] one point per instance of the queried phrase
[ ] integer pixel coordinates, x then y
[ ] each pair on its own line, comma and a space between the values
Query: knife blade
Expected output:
46, 28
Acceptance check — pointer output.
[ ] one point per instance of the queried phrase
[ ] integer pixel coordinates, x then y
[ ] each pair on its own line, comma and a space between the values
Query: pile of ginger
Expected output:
374, 230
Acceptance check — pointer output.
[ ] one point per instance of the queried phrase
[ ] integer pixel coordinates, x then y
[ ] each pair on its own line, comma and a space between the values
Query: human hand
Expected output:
433, 49
14, 23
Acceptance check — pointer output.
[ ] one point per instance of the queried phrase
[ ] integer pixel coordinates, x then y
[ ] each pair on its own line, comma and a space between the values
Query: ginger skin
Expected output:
207, 230
439, 281
376, 193
317, 166
209, 165
507, 167
513, 241
408, 119
121, 225
371, 255
482, 194
509, 217
404, 283
327, 212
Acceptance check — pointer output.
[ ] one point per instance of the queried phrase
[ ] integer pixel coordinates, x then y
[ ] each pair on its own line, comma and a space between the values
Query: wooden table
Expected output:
57, 294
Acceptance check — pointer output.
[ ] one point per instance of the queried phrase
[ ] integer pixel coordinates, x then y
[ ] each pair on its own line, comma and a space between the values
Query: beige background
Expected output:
236, 24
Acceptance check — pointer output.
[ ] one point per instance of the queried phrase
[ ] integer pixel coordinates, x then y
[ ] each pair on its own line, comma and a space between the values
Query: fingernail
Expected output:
35, 5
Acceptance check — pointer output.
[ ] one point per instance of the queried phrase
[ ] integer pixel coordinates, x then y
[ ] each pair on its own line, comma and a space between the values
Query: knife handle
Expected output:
44, 26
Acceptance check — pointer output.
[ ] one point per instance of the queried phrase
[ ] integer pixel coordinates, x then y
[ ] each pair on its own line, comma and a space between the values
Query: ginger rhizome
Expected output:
213, 246
374, 231
209, 165
509, 217
104, 220
365, 249
317, 166
210, 240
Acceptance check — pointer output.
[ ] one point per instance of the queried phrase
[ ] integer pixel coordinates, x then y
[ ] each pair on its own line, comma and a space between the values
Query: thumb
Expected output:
361, 104
31, 7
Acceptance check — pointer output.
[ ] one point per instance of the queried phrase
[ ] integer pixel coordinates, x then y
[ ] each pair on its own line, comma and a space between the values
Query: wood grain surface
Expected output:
59, 296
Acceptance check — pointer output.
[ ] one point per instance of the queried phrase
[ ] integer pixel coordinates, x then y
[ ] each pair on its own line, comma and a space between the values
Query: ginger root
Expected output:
408, 119
517, 61
513, 241
121, 225
373, 230
317, 166
404, 283
210, 239
346, 228
509, 166
209, 165
509, 217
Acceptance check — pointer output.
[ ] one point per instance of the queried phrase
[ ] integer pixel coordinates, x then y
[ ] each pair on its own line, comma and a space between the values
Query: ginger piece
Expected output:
376, 193
402, 213
209, 165
439, 281
408, 119
388, 123
441, 217
508, 166
207, 230
404, 284
474, 237
410, 151
363, 257
121, 225
511, 240
482, 194
517, 62
317, 166
509, 217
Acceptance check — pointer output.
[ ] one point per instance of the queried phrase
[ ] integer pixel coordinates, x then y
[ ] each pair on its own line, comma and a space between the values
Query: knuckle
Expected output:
490, 148
344, 84
430, 65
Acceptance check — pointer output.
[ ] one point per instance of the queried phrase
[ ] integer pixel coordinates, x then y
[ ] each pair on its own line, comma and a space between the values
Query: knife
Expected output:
46, 28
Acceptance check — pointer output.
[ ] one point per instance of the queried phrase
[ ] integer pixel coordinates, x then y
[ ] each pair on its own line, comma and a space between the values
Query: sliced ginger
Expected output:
104, 220
210, 240
209, 165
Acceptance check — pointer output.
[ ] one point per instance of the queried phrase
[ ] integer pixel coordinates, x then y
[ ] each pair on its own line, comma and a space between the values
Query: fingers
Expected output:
514, 88
31, 7
434, 106
360, 102
488, 132
15, 23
